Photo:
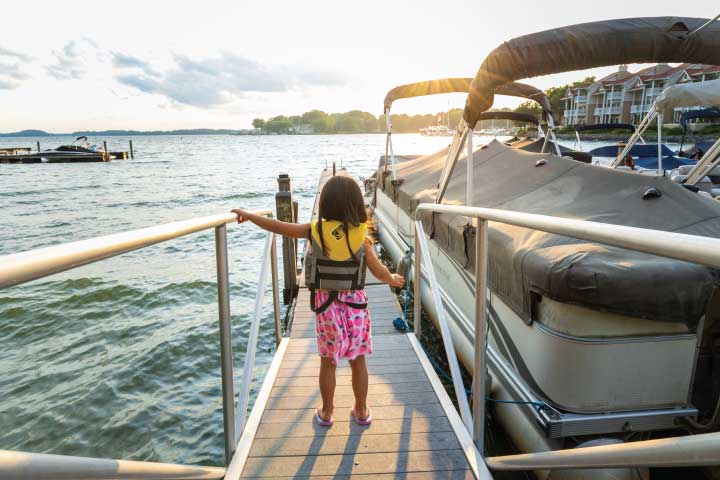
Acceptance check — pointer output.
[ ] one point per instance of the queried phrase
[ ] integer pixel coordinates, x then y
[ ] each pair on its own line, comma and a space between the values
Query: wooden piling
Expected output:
286, 213
106, 154
38, 146
132, 154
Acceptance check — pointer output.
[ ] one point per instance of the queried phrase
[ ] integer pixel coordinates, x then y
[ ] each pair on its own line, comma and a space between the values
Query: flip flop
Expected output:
320, 421
365, 421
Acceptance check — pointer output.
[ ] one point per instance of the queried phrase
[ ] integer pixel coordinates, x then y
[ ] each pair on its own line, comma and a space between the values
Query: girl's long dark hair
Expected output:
341, 200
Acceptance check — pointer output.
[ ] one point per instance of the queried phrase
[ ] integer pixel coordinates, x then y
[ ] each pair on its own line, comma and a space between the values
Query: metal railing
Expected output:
23, 267
690, 248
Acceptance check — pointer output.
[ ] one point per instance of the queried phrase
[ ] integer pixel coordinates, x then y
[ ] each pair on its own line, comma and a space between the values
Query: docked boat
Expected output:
588, 344
697, 149
73, 153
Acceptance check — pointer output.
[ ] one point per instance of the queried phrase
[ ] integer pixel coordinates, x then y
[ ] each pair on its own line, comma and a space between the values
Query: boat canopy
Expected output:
605, 126
462, 85
526, 265
700, 94
693, 114
514, 116
590, 45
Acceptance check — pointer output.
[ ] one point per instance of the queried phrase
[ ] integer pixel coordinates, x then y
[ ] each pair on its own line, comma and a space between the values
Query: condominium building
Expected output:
624, 97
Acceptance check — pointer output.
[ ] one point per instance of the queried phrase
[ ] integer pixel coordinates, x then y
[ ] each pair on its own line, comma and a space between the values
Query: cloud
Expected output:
223, 79
69, 62
11, 71
6, 52
121, 60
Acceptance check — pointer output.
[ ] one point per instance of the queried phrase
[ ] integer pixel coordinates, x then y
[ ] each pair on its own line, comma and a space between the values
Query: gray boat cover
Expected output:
526, 264
535, 146
589, 45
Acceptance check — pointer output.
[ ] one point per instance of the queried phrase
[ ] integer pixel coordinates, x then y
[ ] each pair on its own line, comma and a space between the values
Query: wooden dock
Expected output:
416, 431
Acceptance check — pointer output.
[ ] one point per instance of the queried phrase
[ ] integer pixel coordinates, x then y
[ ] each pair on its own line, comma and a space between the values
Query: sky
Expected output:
162, 65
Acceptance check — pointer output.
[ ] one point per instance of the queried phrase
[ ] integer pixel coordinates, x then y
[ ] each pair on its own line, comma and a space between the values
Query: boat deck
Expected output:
416, 431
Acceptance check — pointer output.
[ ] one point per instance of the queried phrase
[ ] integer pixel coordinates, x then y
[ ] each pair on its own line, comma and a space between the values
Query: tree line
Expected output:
356, 121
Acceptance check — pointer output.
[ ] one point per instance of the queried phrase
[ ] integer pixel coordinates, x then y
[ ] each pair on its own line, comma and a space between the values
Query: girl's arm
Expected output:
286, 229
379, 270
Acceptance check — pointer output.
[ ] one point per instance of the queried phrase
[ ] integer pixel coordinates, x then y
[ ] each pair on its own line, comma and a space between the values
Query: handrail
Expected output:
689, 248
17, 465
30, 265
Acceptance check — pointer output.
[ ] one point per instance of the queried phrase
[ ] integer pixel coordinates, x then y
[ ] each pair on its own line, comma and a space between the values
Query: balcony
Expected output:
639, 108
652, 92
581, 99
575, 112
607, 111
615, 96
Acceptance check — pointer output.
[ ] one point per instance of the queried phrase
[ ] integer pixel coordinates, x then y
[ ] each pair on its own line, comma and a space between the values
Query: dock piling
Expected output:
38, 146
106, 154
132, 154
286, 213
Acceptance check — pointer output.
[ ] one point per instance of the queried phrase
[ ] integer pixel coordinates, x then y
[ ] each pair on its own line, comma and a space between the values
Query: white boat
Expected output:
590, 344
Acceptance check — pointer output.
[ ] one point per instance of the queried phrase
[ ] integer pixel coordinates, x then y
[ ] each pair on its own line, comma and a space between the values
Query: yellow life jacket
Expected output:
342, 268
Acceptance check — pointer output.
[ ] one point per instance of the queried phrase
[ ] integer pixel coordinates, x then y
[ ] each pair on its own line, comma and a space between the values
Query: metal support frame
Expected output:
659, 143
705, 165
423, 256
389, 145
453, 155
637, 135
551, 134
23, 267
481, 326
470, 182
244, 393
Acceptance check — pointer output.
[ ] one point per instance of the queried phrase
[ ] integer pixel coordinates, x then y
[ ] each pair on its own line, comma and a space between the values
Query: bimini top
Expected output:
590, 45
693, 114
701, 94
462, 85
514, 116
605, 126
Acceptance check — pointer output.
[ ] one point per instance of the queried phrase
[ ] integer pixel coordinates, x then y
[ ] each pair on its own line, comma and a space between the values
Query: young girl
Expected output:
341, 249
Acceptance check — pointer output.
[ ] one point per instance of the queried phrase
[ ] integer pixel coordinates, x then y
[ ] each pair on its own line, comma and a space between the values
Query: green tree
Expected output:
555, 94
258, 123
279, 124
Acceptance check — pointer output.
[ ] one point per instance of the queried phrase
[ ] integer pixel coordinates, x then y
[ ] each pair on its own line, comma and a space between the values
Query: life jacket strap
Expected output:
332, 296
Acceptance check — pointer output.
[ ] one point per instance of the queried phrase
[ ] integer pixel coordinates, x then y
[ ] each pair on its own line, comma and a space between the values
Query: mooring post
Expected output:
132, 154
106, 154
286, 213
38, 146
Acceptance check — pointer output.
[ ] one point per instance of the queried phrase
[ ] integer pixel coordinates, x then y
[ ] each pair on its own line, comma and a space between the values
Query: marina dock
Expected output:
415, 430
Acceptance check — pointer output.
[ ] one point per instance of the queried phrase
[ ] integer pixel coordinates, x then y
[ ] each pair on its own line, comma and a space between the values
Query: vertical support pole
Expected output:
244, 394
38, 146
275, 292
226, 357
417, 279
659, 140
389, 145
470, 182
285, 213
480, 360
106, 154
132, 154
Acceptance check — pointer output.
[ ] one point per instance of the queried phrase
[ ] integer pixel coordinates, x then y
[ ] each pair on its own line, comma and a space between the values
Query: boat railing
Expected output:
23, 267
695, 450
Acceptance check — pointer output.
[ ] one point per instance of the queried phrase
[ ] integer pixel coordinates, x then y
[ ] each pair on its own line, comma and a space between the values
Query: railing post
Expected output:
226, 357
285, 213
480, 359
417, 279
275, 292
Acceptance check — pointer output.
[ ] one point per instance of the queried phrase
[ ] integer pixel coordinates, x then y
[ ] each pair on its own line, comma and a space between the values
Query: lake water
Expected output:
120, 359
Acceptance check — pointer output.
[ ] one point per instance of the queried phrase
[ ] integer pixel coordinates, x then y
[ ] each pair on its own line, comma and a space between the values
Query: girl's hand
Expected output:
397, 280
241, 215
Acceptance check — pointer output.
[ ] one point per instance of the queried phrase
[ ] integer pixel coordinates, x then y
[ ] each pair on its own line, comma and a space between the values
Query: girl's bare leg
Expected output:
327, 387
360, 386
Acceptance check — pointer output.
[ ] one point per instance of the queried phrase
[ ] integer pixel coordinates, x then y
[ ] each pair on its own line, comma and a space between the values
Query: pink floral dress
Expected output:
343, 331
